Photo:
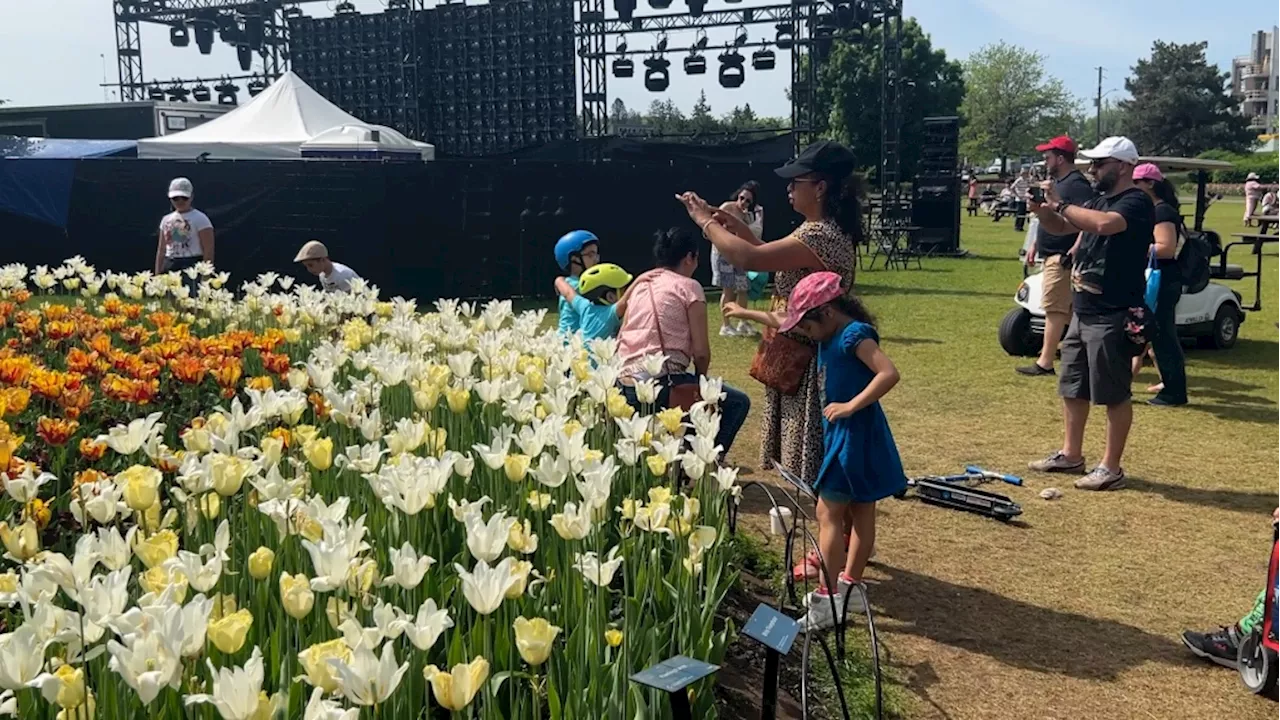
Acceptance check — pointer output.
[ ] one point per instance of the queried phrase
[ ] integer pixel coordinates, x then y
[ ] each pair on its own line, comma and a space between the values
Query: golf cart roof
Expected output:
1175, 164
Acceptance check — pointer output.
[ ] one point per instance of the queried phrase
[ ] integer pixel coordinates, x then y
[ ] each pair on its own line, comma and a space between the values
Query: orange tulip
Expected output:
56, 312
60, 329
15, 400
187, 369
277, 363
55, 431
161, 319
14, 370
92, 451
46, 383
261, 383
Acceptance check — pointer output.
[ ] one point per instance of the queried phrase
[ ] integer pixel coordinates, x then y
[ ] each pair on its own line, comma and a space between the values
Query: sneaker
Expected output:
1220, 646
843, 585
746, 329
1101, 478
1035, 370
821, 615
1161, 401
727, 331
1057, 462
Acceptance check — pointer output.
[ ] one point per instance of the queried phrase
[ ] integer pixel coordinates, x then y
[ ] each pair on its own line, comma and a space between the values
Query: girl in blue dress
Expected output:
860, 464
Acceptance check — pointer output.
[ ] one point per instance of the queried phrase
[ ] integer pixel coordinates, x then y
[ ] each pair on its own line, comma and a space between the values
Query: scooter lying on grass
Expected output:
958, 492
1257, 659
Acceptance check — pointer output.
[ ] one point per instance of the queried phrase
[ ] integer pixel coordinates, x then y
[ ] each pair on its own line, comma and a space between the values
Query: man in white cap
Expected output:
1109, 261
334, 277
186, 235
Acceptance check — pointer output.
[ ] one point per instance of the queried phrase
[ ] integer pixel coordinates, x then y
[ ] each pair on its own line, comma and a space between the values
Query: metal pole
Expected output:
769, 700
1098, 102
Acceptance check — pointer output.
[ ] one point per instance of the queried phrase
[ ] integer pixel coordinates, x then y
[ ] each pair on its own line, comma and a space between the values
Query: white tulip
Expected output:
368, 680
203, 576
21, 657
106, 596
128, 439
552, 470
647, 391
426, 627
236, 691
150, 661
712, 389
26, 487
462, 509
600, 573
407, 569
487, 540
320, 709
484, 587
361, 458
574, 523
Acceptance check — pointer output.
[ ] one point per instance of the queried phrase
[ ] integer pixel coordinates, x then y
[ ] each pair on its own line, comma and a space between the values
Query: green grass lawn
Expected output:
1076, 611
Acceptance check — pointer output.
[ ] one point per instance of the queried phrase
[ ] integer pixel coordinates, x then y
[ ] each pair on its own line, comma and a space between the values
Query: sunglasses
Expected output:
797, 181
1102, 162
180, 199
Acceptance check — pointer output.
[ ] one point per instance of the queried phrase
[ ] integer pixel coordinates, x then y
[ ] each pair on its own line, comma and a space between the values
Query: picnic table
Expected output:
1267, 223
1236, 272
893, 241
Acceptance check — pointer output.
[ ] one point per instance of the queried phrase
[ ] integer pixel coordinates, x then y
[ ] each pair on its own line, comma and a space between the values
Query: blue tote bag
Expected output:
1153, 281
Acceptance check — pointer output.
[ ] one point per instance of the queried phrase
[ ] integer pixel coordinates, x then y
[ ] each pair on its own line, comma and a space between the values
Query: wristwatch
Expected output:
1062, 205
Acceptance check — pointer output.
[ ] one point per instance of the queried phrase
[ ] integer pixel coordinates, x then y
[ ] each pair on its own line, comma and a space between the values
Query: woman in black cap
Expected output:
825, 191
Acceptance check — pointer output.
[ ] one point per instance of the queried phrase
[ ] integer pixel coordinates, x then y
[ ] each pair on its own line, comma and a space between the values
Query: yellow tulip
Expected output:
628, 509
217, 423
160, 578
571, 428
534, 639
155, 548
581, 369
539, 501
296, 595
228, 473
458, 399
660, 496
520, 572
657, 465
272, 449
591, 455
516, 467
534, 381
260, 563
336, 611
304, 434
362, 578
8, 583
455, 690
211, 505
87, 709
319, 453
617, 404
197, 440
228, 632
71, 691
613, 637
435, 440
141, 486
23, 541
315, 663
671, 419
521, 538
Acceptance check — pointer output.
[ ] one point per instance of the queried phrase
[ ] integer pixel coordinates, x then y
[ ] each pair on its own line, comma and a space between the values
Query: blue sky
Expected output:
53, 51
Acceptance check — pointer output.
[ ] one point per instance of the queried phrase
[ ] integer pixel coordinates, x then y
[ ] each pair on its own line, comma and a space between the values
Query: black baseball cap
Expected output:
825, 156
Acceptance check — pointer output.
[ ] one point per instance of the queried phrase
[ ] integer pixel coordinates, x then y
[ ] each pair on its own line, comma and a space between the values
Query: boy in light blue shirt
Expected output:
598, 300
575, 252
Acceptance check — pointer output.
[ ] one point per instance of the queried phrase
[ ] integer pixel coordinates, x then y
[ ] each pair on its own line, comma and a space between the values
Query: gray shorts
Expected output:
726, 276
1096, 360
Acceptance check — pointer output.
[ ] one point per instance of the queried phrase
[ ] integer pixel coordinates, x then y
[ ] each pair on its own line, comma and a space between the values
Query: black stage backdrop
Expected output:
451, 228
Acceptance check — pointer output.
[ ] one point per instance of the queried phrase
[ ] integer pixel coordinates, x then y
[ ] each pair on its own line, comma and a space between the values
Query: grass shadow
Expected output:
1248, 354
946, 292
911, 341
1238, 409
1254, 503
1016, 633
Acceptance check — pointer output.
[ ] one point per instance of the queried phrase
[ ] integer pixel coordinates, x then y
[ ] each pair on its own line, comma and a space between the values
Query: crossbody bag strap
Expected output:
657, 321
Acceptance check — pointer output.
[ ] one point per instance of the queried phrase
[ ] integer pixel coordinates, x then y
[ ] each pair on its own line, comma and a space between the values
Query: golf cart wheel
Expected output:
1257, 665
1016, 336
1226, 328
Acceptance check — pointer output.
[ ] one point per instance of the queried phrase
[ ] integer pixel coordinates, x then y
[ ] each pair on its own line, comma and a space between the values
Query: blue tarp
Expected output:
36, 174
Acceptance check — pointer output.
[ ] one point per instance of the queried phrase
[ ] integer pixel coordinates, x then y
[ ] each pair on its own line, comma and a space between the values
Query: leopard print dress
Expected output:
792, 425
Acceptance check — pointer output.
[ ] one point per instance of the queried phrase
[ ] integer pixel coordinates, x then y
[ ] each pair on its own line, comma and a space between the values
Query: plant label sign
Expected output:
674, 674
772, 629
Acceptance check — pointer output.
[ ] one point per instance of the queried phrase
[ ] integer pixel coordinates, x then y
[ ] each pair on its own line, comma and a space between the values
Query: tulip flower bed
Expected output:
286, 503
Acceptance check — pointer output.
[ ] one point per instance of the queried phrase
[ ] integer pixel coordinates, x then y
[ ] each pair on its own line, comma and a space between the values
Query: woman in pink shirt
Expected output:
667, 314
1252, 192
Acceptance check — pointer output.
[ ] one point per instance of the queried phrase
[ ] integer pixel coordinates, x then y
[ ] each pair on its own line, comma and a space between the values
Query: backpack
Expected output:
1193, 259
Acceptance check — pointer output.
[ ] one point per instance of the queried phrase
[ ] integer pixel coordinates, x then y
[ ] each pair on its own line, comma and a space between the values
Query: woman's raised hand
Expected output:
698, 209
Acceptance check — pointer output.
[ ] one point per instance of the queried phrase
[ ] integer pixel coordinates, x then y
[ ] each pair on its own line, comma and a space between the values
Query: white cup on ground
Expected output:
779, 520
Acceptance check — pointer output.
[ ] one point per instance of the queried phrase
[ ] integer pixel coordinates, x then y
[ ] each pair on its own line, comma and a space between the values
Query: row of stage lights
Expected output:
227, 91
846, 12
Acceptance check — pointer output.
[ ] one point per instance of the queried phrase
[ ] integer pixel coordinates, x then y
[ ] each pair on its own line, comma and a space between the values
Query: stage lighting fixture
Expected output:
227, 92
245, 56
178, 36
659, 4
344, 8
763, 59
200, 93
740, 38
662, 43
292, 12
844, 13
823, 36
657, 73
156, 93
786, 37
177, 93
256, 86
626, 9
696, 7
695, 64
732, 72
204, 34
254, 31
624, 68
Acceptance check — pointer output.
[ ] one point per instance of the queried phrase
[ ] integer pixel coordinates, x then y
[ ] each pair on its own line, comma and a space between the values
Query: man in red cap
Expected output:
1055, 293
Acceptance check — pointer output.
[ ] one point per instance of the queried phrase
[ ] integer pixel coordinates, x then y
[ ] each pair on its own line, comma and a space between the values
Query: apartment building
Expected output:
1255, 84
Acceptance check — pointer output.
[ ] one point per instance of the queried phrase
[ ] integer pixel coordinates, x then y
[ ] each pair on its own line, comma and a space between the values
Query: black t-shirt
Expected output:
1109, 271
1166, 213
1075, 189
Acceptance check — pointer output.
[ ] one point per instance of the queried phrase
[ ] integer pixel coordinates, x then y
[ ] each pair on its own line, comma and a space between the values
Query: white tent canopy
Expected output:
271, 126
361, 140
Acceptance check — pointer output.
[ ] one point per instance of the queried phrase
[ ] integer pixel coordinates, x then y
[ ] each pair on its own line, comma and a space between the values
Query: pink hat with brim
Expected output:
1147, 171
813, 291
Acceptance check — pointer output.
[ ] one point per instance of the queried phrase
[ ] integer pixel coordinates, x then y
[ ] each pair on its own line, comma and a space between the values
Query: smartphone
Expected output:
1037, 194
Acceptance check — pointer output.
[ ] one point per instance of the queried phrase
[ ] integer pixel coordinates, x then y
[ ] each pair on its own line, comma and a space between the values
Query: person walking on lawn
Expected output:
1071, 186
1108, 277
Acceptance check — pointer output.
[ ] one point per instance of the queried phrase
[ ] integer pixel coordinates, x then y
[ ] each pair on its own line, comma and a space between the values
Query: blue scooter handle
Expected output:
1011, 479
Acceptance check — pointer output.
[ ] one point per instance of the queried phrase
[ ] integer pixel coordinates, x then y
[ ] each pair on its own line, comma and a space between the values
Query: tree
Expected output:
702, 121
1010, 103
848, 94
1180, 105
618, 110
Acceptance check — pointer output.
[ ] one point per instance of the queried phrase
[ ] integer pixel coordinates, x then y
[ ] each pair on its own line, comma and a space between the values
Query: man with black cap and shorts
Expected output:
1055, 292
1109, 261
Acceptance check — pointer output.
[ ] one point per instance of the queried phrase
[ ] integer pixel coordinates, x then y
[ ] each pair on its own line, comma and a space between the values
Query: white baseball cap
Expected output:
180, 187
1251, 176
312, 250
1119, 147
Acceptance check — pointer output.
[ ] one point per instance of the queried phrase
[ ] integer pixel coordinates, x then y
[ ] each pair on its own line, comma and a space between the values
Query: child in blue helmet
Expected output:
575, 252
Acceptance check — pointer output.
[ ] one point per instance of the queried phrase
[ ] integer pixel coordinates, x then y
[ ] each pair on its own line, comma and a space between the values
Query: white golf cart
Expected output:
1210, 314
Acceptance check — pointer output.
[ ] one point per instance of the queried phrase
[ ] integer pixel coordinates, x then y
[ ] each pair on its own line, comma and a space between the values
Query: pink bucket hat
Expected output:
813, 291
1147, 171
